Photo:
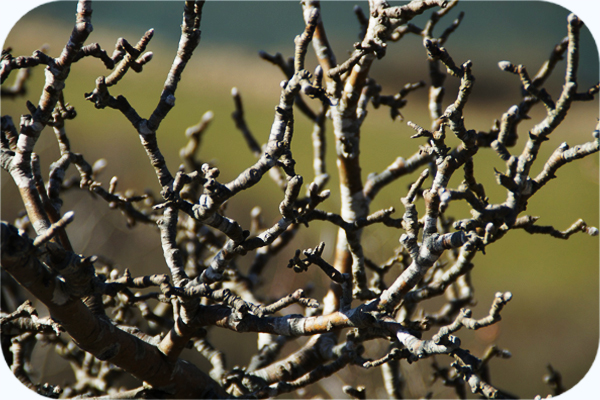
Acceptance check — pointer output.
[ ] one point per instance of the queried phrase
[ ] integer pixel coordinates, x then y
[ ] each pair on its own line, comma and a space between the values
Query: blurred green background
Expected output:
553, 317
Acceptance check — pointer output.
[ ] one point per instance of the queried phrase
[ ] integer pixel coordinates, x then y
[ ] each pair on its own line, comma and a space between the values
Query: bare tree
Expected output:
156, 319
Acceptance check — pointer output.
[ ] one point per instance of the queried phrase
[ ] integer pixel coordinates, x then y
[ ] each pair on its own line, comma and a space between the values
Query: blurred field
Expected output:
553, 317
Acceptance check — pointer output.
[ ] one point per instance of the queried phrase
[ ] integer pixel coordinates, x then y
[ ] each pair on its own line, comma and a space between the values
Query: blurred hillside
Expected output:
553, 317
526, 30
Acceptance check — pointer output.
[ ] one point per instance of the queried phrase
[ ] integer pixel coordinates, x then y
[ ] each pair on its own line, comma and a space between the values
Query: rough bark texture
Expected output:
156, 319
